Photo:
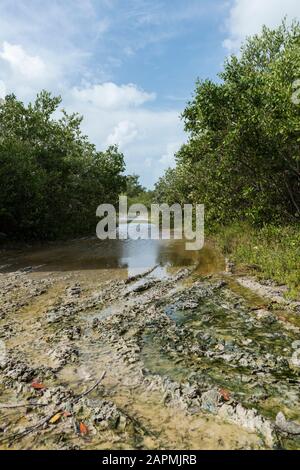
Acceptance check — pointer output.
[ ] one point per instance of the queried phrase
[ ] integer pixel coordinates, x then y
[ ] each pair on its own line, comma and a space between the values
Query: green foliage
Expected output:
273, 250
133, 186
52, 179
146, 198
136, 193
242, 159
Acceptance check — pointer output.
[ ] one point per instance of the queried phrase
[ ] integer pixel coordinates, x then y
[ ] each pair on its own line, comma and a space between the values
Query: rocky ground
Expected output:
180, 361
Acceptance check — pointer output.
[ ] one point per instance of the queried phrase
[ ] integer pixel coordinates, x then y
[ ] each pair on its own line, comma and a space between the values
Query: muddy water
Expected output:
72, 310
129, 257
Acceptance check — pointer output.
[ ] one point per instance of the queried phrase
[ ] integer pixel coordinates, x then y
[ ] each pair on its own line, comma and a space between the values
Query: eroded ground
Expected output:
192, 360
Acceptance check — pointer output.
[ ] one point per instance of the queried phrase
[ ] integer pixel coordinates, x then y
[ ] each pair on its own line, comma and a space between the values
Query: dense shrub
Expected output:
243, 155
51, 178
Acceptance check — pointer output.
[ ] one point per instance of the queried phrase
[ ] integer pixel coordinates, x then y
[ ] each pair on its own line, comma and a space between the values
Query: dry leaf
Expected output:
38, 386
66, 414
225, 394
55, 418
83, 429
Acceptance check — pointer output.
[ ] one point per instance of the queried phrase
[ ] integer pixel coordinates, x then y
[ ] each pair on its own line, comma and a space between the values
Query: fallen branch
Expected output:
46, 420
7, 406
87, 392
141, 275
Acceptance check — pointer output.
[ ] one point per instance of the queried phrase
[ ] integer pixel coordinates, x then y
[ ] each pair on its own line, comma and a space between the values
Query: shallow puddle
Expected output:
218, 340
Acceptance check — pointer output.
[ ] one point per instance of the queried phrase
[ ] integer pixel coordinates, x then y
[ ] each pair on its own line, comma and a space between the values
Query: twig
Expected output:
46, 420
30, 429
87, 392
141, 275
136, 423
7, 406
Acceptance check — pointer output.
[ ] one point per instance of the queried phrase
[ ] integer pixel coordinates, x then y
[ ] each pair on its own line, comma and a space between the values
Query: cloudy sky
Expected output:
128, 66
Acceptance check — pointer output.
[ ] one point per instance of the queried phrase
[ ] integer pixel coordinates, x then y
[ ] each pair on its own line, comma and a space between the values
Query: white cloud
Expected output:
25, 73
168, 158
73, 48
247, 18
124, 133
111, 96
128, 51
29, 66
148, 162
103, 26
143, 134
2, 90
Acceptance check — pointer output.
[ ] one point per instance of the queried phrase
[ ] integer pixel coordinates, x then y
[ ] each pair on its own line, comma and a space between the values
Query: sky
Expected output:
128, 66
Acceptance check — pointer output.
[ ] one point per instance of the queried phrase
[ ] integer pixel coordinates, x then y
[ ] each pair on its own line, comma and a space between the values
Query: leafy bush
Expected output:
242, 159
51, 178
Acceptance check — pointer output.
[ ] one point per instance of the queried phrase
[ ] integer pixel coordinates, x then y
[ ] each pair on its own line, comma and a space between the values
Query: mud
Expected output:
192, 360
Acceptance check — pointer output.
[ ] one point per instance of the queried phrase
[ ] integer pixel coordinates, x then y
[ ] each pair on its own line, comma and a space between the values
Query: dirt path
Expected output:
190, 361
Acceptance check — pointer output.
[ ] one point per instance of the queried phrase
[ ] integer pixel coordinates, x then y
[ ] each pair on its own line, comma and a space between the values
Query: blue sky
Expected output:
128, 66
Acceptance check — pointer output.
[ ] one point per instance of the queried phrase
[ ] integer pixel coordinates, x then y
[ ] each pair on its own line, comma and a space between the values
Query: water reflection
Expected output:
135, 256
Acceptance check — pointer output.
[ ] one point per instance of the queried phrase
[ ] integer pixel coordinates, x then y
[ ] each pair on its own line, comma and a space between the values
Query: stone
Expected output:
210, 401
286, 426
294, 362
296, 344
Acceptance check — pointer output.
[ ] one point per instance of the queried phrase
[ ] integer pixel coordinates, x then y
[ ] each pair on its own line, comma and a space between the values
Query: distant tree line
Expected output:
242, 159
136, 193
51, 177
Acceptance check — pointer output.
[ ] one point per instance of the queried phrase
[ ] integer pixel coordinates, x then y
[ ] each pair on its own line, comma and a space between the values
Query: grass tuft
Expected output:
272, 252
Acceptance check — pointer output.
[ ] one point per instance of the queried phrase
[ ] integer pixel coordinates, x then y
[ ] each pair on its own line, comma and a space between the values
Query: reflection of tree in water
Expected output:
93, 254
84, 254
174, 253
106, 254
174, 259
